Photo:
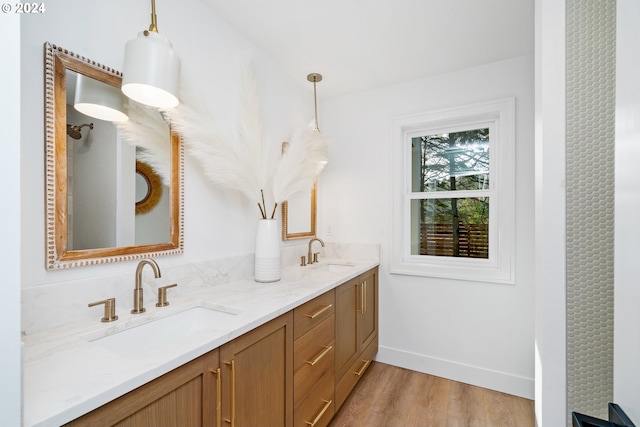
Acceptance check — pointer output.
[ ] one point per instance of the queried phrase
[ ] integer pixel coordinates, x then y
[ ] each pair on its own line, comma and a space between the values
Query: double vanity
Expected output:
240, 353
214, 347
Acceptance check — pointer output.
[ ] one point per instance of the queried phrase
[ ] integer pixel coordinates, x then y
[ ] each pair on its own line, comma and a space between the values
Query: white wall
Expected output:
479, 333
10, 378
627, 270
550, 142
217, 224
93, 183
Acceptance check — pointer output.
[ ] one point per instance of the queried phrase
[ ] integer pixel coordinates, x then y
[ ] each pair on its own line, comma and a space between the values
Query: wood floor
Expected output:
388, 396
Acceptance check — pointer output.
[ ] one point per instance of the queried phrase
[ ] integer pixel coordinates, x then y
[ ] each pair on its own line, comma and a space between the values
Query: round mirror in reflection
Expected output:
148, 188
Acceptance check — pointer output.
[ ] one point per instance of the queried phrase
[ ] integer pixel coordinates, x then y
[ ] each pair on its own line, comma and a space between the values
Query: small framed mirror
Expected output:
299, 216
91, 172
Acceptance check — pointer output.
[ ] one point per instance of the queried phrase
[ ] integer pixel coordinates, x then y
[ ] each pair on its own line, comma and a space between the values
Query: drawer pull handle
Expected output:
216, 372
319, 312
319, 416
364, 367
321, 355
364, 296
232, 419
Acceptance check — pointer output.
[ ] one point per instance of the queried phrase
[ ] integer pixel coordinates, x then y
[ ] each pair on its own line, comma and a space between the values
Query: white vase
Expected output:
267, 262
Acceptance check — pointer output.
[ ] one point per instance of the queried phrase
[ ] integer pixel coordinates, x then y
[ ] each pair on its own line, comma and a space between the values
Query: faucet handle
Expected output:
162, 295
109, 309
315, 257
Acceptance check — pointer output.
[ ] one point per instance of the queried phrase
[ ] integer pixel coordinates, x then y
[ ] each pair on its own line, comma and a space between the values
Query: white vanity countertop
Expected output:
66, 375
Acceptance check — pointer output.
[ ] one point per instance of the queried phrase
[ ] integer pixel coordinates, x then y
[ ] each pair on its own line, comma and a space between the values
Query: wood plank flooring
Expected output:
388, 396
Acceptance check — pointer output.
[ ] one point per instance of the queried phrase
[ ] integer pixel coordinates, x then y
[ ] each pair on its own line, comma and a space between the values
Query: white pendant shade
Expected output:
151, 71
99, 100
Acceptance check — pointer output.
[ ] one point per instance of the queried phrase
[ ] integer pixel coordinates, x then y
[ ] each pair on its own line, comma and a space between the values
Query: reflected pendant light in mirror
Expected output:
151, 71
99, 100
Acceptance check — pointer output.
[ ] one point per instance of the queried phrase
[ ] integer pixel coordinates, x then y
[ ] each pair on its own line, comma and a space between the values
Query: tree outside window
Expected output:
443, 164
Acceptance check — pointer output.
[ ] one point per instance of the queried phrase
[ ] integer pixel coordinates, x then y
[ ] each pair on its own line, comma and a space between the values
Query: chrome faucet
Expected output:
138, 305
310, 260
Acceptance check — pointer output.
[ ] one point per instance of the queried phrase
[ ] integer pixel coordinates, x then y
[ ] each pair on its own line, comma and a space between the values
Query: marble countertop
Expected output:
67, 375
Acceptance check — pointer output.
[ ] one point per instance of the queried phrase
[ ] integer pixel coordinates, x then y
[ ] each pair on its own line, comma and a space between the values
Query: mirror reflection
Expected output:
299, 216
93, 169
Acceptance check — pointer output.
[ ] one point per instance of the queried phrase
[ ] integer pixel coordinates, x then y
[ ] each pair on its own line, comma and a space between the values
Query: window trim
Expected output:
500, 266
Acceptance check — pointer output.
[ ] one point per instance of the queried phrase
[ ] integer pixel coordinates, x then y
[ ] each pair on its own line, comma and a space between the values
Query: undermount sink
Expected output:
334, 267
163, 333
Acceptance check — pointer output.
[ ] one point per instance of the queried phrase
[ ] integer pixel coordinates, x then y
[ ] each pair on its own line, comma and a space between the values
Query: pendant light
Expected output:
151, 71
315, 77
99, 100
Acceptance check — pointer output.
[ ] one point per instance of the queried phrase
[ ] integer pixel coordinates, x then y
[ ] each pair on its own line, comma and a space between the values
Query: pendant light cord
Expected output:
154, 20
315, 105
314, 78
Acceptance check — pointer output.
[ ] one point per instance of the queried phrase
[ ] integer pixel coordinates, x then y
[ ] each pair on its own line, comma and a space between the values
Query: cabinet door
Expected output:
347, 302
257, 376
368, 308
186, 396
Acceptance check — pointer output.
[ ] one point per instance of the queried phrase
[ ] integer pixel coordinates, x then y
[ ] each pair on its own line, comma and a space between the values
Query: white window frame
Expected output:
499, 116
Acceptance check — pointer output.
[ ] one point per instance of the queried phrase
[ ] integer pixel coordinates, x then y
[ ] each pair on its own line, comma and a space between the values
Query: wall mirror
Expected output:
299, 216
91, 172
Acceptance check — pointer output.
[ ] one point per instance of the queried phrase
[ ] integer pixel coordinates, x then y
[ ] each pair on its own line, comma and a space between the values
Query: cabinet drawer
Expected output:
353, 375
312, 313
313, 357
318, 406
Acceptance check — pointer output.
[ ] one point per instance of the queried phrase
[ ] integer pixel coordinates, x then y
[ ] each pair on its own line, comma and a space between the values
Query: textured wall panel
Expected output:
591, 36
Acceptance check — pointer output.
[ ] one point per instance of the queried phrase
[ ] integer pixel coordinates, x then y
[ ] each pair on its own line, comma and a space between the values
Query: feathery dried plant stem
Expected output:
274, 210
264, 205
264, 216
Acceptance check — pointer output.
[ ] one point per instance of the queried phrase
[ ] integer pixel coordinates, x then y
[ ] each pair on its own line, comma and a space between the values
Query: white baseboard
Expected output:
468, 374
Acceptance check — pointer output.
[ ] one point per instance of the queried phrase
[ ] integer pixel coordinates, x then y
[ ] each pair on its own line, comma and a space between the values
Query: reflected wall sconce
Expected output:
99, 100
75, 132
151, 71
315, 78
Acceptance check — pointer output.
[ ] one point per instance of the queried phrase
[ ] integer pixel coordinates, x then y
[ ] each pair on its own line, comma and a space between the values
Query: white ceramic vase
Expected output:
267, 262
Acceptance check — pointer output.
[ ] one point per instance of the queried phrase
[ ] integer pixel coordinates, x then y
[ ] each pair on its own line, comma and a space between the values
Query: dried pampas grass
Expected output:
147, 129
239, 163
230, 163
303, 160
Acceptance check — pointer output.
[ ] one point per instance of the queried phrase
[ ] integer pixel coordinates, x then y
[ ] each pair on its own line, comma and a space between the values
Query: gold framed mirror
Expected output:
299, 216
90, 196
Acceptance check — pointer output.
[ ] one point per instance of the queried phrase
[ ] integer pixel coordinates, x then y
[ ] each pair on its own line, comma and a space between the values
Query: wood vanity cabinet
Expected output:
257, 376
186, 396
247, 382
295, 370
356, 331
313, 366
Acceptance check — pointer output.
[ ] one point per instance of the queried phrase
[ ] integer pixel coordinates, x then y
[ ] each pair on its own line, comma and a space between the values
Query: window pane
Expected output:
450, 227
450, 161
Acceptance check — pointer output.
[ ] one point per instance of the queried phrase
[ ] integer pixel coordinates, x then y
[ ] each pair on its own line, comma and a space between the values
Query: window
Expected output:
454, 193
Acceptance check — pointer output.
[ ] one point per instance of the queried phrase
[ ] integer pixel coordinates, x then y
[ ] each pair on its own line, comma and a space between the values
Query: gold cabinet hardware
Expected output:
216, 372
232, 419
361, 288
109, 309
364, 296
364, 367
320, 356
327, 404
162, 295
319, 312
